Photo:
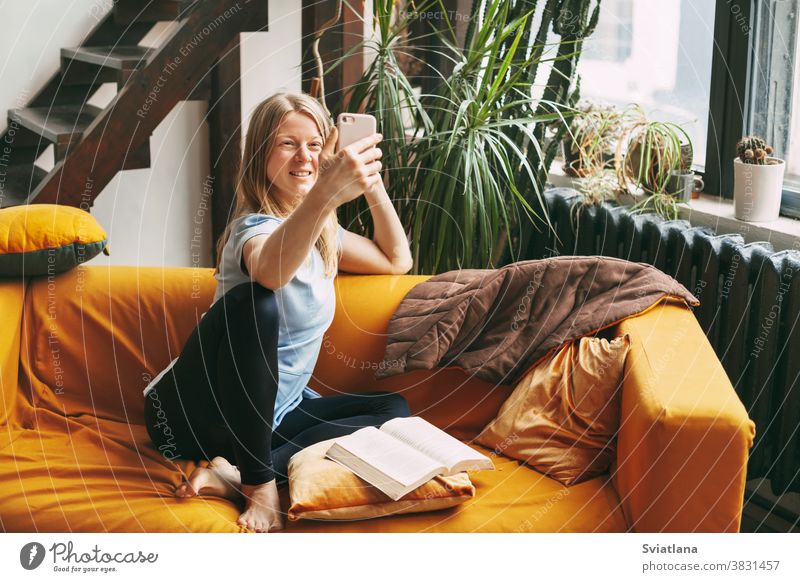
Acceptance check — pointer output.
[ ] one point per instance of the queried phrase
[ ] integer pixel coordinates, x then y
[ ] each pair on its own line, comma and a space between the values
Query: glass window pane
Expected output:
656, 54
774, 106
792, 156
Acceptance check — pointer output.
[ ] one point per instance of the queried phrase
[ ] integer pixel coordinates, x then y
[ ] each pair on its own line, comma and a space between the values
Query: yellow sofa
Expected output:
77, 349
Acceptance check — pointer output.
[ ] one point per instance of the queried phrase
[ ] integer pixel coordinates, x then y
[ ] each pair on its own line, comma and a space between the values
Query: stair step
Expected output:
60, 92
138, 159
109, 32
20, 156
19, 137
60, 124
115, 57
90, 65
101, 139
129, 11
18, 181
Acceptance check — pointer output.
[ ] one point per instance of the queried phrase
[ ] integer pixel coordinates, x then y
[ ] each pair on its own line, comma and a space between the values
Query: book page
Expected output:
388, 455
432, 441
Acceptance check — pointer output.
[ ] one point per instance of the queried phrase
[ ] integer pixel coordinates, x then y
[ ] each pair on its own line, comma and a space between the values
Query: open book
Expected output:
403, 454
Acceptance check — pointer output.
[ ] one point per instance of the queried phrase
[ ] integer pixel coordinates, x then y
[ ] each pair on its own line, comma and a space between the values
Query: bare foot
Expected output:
262, 508
220, 478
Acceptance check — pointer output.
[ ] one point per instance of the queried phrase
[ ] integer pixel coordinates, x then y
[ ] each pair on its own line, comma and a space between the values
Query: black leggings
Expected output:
219, 397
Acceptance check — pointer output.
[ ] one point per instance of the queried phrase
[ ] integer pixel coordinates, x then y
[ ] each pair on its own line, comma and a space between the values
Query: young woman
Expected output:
237, 391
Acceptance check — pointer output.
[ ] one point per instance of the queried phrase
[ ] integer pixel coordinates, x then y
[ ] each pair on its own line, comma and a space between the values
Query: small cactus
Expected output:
753, 150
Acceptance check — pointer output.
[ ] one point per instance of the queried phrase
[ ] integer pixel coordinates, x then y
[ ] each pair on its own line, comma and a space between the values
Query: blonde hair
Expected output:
253, 187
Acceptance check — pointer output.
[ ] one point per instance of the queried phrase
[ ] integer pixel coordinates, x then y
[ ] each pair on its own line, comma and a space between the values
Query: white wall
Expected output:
271, 60
149, 214
161, 215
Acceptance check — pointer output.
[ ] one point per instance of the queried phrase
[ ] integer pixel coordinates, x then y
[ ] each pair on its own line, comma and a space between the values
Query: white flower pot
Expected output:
757, 190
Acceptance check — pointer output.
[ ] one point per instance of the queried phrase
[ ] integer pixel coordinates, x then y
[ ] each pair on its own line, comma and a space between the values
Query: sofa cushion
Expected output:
88, 474
563, 415
84, 474
513, 498
94, 337
353, 350
323, 489
136, 320
45, 239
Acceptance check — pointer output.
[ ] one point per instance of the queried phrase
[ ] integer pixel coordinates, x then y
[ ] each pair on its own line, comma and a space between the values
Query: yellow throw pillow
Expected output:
45, 239
562, 417
322, 489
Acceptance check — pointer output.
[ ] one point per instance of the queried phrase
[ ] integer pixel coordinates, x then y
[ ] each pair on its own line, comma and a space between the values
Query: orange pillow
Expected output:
562, 417
323, 489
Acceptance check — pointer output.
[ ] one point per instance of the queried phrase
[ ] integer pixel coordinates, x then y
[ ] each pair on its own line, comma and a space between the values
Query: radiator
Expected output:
749, 308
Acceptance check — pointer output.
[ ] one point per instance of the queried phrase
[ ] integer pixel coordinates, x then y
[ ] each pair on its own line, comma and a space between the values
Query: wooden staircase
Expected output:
91, 144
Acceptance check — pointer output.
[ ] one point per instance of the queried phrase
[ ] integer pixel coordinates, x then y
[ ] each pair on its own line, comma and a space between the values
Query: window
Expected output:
721, 69
774, 108
658, 56
793, 154
612, 40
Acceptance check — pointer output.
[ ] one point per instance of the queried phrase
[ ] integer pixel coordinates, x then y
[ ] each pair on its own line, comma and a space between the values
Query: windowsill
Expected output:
716, 213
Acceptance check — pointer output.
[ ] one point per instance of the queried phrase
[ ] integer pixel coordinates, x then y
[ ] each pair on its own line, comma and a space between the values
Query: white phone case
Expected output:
353, 127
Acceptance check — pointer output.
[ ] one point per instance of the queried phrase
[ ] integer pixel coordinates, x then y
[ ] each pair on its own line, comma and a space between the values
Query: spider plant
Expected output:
592, 138
654, 150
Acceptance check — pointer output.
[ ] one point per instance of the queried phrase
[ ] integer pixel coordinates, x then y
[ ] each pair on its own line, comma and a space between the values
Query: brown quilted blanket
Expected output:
497, 323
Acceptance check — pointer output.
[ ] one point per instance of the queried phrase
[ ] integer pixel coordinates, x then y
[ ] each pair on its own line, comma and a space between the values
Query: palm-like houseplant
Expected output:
470, 178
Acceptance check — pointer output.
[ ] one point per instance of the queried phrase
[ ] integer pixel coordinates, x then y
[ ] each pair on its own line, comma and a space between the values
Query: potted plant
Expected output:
467, 184
656, 153
588, 151
590, 144
758, 181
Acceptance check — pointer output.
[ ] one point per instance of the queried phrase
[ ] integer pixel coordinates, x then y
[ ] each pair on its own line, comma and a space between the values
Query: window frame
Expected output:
728, 95
732, 94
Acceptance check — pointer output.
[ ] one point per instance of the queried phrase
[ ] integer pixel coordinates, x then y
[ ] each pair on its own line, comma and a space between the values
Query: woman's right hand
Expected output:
347, 174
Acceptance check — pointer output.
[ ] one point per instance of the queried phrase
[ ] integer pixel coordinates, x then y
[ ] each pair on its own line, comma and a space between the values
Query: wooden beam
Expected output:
225, 138
339, 39
315, 14
353, 34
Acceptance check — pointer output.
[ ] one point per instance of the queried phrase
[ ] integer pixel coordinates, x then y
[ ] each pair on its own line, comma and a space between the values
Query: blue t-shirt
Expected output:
306, 305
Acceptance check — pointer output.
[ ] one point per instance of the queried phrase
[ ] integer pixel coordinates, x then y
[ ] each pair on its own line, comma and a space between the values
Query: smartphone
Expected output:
353, 127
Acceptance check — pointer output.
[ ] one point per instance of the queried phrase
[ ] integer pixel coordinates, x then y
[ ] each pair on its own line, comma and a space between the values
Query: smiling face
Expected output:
293, 163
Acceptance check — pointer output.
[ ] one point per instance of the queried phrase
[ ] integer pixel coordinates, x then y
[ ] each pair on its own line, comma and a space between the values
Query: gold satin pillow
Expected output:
322, 489
562, 416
